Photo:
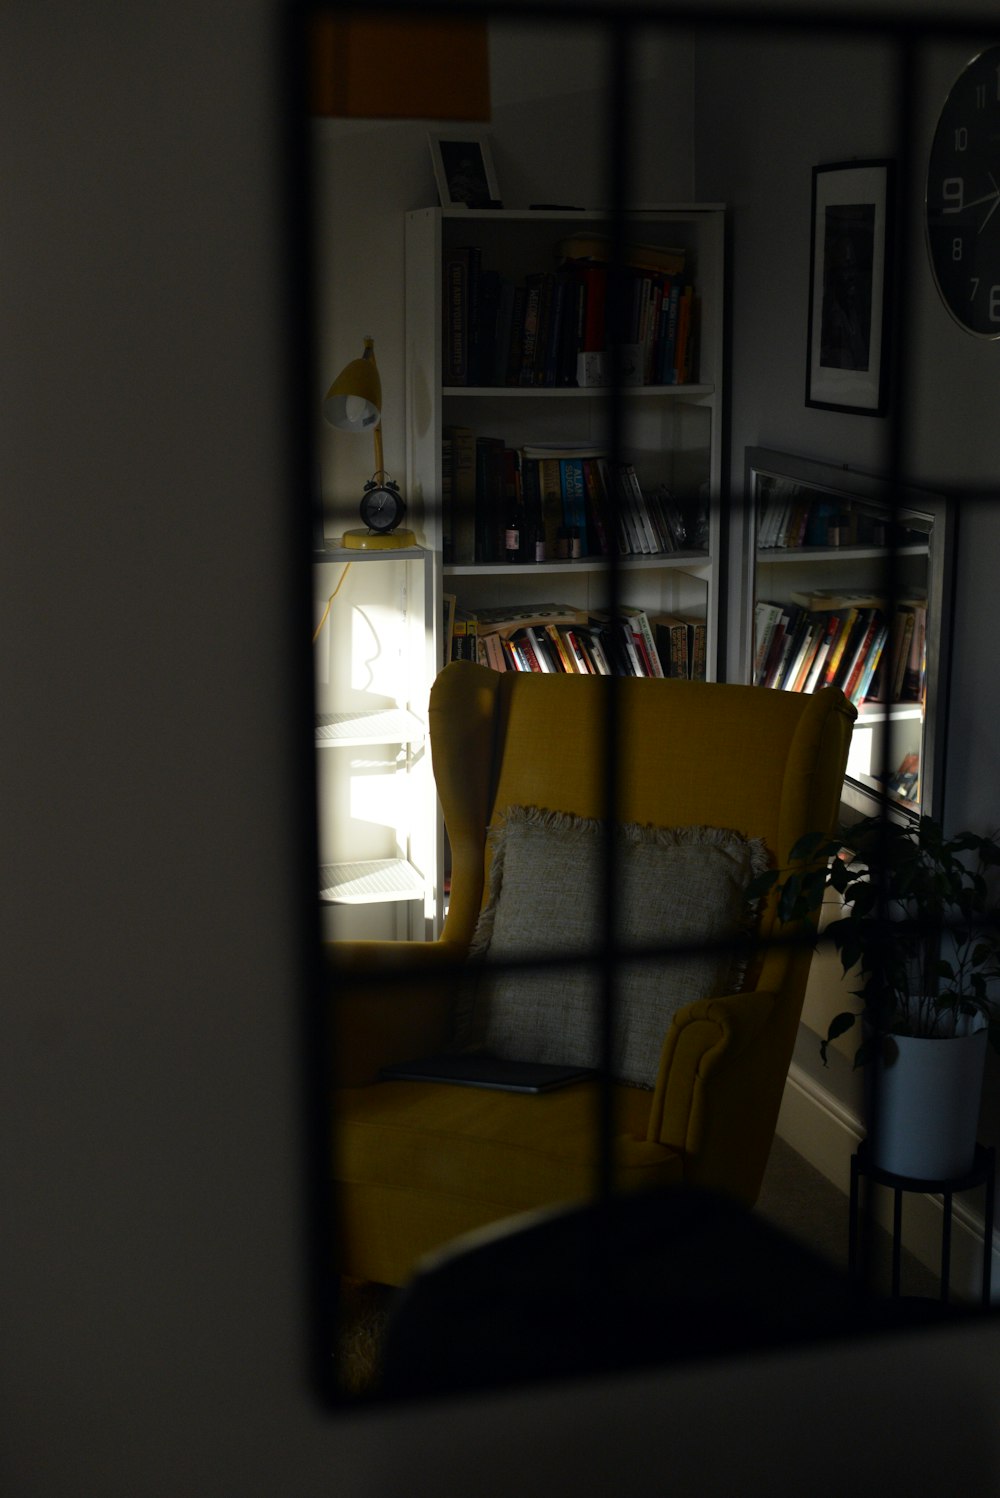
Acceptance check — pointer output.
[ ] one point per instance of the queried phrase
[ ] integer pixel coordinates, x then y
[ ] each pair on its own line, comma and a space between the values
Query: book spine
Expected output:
829, 635
871, 664
577, 646
561, 646
550, 486
555, 340
574, 496
515, 349
489, 498
699, 650
838, 647
472, 314
484, 370
672, 643
455, 333
529, 339
641, 624
505, 316
595, 646
525, 648
546, 290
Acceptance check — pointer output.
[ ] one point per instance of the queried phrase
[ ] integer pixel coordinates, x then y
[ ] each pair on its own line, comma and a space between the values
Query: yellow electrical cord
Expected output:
329, 601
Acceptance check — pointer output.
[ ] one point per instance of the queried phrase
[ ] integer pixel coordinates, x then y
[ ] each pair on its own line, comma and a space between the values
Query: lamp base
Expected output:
359, 540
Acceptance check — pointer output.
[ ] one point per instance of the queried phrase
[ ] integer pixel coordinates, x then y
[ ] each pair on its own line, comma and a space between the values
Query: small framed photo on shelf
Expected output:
463, 168
847, 356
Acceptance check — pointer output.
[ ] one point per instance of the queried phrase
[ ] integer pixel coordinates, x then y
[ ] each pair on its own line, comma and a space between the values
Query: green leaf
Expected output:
839, 1024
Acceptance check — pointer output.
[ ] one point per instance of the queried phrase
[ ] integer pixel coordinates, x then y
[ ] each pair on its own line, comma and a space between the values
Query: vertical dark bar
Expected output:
897, 1236
900, 312
988, 1226
852, 1220
618, 162
321, 1287
946, 1246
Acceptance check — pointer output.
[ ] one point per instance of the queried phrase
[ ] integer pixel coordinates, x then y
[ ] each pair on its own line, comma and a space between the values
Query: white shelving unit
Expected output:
374, 657
672, 433
885, 732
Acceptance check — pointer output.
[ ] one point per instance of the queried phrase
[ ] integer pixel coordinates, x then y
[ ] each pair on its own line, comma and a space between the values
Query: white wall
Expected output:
151, 1278
793, 104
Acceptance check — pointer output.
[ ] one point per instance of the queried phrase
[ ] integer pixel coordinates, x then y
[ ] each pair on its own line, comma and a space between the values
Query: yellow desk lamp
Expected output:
354, 404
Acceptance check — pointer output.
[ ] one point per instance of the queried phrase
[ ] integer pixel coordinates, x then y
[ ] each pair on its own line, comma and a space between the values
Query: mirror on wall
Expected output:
601, 469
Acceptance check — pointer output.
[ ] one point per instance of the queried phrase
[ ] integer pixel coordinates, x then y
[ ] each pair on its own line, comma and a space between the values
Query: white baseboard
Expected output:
824, 1132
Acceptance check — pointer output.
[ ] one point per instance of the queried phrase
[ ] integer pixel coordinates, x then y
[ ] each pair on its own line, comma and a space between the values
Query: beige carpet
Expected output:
801, 1201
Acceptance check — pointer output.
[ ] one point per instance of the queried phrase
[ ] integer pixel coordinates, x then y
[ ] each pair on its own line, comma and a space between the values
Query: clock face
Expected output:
963, 197
382, 507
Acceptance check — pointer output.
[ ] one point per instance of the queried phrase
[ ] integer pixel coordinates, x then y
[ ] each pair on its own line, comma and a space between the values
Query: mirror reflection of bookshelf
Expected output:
850, 586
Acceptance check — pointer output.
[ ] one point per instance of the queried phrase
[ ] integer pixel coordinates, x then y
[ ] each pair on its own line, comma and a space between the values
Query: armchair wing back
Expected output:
417, 1163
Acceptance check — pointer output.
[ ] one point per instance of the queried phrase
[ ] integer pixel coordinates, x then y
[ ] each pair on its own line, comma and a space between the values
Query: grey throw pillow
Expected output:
681, 888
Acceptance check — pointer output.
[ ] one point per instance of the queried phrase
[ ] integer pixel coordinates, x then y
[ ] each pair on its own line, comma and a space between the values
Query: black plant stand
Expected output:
981, 1174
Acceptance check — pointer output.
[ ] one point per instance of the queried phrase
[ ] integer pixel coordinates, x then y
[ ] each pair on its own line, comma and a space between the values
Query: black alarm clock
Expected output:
382, 509
382, 506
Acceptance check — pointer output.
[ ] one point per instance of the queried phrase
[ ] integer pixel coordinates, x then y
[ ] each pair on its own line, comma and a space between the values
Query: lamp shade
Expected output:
354, 401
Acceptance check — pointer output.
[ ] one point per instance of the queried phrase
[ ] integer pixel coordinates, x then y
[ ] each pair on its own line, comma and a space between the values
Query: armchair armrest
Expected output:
389, 1001
717, 1091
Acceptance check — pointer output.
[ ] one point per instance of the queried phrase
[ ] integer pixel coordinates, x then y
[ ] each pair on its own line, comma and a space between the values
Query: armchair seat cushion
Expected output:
465, 1156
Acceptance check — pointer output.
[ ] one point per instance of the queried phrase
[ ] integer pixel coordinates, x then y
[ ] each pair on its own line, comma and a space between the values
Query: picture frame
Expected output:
851, 251
463, 168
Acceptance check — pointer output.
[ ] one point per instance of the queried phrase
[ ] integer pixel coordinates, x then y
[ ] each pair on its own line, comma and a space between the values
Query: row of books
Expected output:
850, 640
554, 637
791, 518
557, 501
552, 327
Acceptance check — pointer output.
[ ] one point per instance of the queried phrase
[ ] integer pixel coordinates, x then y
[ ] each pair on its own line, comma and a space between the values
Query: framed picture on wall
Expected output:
463, 168
847, 359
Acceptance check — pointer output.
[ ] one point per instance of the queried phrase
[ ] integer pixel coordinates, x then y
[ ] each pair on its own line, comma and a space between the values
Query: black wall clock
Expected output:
963, 197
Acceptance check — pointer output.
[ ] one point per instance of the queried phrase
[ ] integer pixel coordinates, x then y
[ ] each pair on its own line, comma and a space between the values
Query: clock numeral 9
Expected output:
953, 194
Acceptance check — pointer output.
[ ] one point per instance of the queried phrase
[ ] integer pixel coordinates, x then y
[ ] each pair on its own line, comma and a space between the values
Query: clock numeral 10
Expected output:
961, 138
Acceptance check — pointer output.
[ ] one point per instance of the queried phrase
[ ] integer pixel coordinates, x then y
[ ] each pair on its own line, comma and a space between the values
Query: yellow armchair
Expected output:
416, 1163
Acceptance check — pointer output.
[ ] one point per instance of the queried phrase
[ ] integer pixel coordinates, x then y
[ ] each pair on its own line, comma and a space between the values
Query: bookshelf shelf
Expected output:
688, 561
372, 882
347, 730
689, 392
832, 556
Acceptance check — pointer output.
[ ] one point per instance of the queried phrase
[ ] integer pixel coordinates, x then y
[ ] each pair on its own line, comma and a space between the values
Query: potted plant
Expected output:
921, 926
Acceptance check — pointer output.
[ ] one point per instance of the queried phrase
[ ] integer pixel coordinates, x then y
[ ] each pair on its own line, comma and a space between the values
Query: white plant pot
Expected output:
928, 1105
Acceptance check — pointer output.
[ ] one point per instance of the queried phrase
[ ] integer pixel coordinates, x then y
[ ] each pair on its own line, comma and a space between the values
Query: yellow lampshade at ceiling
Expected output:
401, 67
